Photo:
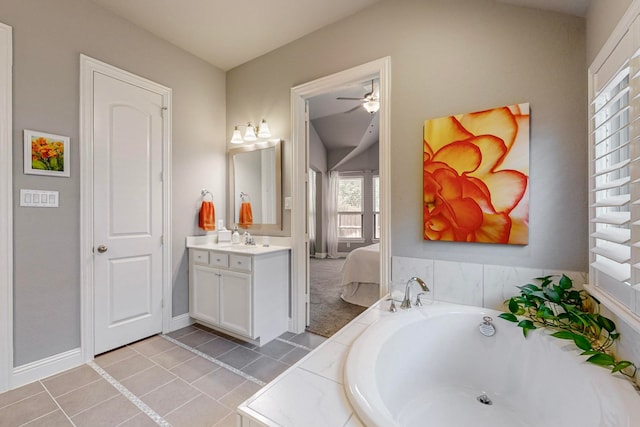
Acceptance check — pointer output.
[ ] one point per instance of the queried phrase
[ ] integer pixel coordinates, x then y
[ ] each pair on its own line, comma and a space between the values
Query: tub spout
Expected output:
406, 302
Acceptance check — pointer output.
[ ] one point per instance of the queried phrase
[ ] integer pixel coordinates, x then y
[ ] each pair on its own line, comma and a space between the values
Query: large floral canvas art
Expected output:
476, 176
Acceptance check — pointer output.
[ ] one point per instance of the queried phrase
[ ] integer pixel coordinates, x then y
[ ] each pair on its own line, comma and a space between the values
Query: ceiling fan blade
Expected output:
350, 99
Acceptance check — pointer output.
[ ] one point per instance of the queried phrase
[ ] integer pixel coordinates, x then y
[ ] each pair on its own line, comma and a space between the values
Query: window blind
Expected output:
614, 211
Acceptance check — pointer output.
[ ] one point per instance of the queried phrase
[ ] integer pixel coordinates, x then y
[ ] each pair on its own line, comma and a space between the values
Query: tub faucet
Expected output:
406, 302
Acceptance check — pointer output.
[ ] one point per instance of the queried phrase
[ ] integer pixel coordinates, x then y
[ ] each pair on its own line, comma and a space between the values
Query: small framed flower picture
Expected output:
46, 154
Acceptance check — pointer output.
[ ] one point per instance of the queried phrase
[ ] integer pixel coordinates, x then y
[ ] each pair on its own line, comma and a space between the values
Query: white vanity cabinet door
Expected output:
204, 295
236, 302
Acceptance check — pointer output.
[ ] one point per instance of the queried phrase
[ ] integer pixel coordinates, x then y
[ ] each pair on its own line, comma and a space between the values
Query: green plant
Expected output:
573, 314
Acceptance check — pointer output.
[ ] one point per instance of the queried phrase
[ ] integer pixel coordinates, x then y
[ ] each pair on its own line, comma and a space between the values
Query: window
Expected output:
614, 167
376, 207
350, 190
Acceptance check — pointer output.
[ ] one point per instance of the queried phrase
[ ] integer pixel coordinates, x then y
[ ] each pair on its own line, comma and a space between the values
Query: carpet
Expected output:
328, 312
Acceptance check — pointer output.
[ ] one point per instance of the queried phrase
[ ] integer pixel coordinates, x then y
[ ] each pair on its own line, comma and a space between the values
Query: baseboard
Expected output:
44, 368
179, 322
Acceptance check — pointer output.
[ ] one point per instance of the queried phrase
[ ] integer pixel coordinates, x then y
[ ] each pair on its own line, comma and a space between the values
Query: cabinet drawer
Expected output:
240, 263
200, 257
217, 259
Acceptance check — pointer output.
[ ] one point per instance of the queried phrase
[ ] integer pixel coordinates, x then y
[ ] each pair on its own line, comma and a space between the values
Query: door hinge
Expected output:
162, 303
162, 240
162, 110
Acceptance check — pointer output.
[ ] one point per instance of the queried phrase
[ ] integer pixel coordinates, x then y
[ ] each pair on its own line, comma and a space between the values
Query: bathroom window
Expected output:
614, 171
350, 212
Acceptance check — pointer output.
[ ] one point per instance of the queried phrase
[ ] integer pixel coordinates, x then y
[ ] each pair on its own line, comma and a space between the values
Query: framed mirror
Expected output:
255, 186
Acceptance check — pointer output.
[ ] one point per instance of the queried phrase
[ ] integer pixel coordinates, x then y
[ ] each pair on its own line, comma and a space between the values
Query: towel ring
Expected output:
204, 193
245, 197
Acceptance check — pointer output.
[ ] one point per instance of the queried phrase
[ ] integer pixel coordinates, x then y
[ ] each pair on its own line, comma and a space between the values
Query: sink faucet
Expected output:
406, 302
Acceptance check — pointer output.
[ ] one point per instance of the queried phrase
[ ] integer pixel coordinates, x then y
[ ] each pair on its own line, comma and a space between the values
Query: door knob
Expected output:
102, 249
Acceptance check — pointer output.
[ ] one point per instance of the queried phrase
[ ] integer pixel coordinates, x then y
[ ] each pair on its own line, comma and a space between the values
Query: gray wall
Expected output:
602, 18
48, 38
452, 57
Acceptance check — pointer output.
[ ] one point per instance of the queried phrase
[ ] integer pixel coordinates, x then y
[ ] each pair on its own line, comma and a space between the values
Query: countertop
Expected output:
209, 243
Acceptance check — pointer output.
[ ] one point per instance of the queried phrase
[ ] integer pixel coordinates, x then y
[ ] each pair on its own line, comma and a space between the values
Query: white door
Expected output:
128, 212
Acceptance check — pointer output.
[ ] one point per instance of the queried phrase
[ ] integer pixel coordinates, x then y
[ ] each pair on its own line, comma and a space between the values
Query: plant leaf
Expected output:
582, 342
508, 316
606, 323
513, 306
565, 282
552, 295
621, 365
563, 335
601, 359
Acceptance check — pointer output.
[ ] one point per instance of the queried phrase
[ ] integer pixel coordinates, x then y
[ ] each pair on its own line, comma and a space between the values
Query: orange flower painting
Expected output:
46, 154
476, 176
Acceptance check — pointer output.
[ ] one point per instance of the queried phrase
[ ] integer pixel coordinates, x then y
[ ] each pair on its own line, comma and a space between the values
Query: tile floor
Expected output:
190, 377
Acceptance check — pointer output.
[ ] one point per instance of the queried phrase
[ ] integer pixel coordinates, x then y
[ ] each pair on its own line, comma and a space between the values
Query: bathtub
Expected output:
431, 366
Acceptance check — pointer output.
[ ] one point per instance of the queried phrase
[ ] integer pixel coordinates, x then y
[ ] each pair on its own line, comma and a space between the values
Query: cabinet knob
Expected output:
102, 249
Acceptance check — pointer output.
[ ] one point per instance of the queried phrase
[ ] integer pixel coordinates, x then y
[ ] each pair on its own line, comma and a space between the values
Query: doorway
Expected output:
125, 203
380, 69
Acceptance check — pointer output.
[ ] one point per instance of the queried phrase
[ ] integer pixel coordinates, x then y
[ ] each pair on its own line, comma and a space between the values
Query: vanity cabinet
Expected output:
244, 295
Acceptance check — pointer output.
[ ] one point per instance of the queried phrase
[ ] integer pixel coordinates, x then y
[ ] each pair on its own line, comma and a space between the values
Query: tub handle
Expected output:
418, 302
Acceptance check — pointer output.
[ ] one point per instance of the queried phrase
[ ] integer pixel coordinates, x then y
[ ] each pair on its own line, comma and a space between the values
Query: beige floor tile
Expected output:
140, 420
194, 369
27, 410
173, 357
127, 367
239, 394
170, 396
148, 380
230, 420
70, 380
85, 397
200, 412
52, 419
152, 346
20, 393
109, 413
218, 383
113, 356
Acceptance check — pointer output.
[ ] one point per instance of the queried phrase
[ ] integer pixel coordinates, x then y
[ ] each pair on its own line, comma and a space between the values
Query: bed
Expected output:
361, 276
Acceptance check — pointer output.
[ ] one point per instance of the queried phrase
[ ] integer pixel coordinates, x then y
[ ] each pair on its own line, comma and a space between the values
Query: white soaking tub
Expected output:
432, 366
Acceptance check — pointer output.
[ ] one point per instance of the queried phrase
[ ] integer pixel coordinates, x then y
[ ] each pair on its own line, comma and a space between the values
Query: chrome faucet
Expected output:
406, 302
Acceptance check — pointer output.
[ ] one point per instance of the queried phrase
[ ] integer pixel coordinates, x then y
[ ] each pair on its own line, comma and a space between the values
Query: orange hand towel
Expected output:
246, 215
207, 220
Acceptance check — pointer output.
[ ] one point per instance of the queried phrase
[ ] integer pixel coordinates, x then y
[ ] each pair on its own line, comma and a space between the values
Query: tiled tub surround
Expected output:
485, 285
311, 393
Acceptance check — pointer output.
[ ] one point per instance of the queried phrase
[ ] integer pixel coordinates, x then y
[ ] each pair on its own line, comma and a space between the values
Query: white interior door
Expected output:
128, 212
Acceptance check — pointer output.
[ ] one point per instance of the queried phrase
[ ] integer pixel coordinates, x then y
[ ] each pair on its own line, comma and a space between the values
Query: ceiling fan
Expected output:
370, 102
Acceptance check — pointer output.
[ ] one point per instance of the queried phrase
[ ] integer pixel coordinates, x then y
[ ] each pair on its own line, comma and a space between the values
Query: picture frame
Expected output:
46, 154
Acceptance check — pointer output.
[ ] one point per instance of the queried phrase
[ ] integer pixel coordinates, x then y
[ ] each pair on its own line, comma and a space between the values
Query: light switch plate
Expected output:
38, 198
287, 203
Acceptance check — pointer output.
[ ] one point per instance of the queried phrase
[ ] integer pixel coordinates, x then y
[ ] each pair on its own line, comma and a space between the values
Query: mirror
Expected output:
255, 180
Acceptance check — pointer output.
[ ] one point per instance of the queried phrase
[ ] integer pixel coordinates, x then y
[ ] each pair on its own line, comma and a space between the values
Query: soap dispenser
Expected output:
235, 237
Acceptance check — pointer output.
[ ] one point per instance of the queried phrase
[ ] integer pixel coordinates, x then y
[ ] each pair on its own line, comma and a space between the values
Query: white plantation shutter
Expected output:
614, 157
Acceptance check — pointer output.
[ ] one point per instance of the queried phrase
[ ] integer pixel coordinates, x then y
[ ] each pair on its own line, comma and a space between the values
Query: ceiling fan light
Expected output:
250, 133
263, 130
371, 106
236, 138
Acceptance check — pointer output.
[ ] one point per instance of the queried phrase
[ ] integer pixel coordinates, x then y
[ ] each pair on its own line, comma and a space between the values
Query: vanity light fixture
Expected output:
250, 133
237, 137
